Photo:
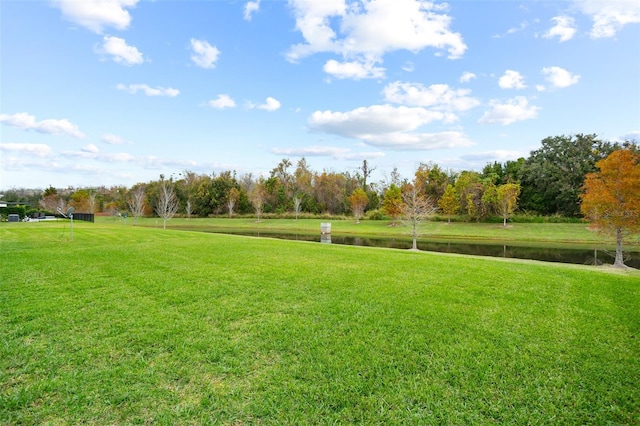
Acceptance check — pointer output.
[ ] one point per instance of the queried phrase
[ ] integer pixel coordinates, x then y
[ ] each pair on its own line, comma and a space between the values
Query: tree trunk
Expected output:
415, 236
619, 262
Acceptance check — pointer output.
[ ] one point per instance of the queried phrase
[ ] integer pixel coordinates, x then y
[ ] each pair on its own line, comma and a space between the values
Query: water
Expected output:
580, 256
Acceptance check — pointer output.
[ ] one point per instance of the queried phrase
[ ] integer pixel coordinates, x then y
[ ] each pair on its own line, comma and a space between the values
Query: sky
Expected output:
116, 92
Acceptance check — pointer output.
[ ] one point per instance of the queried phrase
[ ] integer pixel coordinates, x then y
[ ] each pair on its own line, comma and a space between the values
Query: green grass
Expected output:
140, 325
547, 234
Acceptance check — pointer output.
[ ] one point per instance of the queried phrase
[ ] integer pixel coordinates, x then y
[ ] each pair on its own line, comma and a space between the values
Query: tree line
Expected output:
548, 182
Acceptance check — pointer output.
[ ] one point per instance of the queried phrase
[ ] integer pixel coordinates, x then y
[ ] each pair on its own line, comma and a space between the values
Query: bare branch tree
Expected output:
232, 197
189, 208
257, 199
416, 209
92, 201
136, 203
297, 203
167, 203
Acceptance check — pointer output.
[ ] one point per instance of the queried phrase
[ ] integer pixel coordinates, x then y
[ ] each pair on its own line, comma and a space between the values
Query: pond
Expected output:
580, 256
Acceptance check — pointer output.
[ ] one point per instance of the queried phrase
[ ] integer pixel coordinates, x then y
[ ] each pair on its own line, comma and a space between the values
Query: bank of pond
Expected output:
572, 255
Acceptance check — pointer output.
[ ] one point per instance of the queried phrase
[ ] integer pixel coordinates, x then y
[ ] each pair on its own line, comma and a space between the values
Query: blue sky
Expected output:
116, 92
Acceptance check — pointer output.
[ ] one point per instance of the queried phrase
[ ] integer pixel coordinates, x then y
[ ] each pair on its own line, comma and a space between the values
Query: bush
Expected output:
18, 209
376, 214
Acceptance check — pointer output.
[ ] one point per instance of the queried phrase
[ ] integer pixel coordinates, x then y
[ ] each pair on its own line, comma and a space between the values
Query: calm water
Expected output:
563, 255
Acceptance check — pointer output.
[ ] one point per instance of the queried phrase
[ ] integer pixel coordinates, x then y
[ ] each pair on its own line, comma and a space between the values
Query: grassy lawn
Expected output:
548, 234
142, 325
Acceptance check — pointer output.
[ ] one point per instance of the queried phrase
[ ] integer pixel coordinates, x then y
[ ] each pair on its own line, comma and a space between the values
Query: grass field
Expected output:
133, 325
548, 234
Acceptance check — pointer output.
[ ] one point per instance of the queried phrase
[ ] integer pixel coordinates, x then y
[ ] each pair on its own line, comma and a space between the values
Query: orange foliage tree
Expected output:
611, 197
358, 201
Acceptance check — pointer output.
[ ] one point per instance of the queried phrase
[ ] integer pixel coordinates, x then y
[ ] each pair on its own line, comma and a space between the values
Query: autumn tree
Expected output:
392, 202
449, 203
611, 197
52, 201
507, 200
358, 201
416, 208
80, 200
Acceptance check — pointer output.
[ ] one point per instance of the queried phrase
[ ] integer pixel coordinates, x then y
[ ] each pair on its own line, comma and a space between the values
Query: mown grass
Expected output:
548, 234
140, 325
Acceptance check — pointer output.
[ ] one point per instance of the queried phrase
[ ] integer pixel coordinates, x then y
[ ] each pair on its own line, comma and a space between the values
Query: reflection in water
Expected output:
547, 254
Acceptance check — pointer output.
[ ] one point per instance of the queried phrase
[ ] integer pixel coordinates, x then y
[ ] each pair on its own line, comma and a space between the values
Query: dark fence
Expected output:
87, 217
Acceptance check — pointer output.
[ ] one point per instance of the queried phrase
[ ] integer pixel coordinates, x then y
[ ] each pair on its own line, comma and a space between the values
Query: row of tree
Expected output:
548, 182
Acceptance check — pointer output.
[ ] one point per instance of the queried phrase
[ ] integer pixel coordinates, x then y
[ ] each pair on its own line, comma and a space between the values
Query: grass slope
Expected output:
547, 234
139, 325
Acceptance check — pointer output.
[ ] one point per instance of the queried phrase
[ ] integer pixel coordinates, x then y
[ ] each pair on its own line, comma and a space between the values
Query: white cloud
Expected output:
364, 31
250, 8
631, 136
222, 101
327, 151
89, 153
511, 80
354, 70
408, 66
564, 28
271, 104
26, 121
559, 77
34, 149
523, 25
436, 96
419, 141
95, 15
516, 109
388, 126
204, 55
363, 122
467, 77
497, 155
120, 51
112, 139
149, 91
90, 148
610, 16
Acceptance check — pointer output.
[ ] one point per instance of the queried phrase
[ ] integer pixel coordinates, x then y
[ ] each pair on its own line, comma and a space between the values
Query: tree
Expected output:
136, 202
92, 201
257, 198
416, 208
553, 175
232, 198
611, 197
358, 201
432, 179
392, 202
366, 173
449, 202
167, 204
297, 203
188, 208
507, 199
52, 201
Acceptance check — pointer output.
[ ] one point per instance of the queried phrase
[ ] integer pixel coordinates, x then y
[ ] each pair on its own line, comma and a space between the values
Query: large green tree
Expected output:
553, 175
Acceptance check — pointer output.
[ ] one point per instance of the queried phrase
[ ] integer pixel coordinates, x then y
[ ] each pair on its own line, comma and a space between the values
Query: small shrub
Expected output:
376, 214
